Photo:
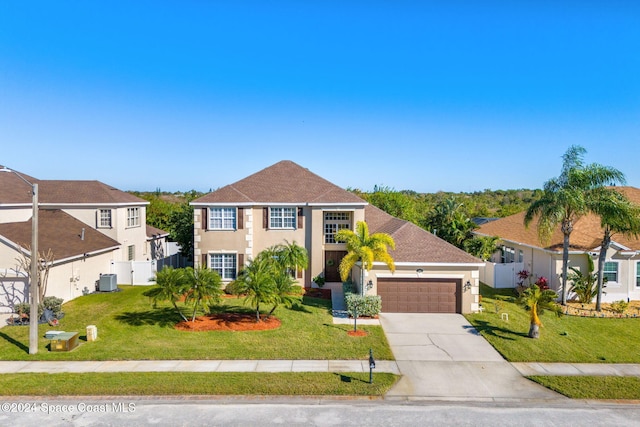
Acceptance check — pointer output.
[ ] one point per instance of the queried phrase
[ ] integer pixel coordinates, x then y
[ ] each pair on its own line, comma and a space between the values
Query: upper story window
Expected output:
104, 218
222, 218
333, 222
133, 217
610, 271
282, 218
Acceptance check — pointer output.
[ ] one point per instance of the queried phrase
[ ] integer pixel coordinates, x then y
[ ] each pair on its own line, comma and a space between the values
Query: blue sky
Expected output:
427, 96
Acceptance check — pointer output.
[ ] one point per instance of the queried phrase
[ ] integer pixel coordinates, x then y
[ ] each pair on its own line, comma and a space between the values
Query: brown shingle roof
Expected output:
586, 235
155, 232
414, 244
13, 190
60, 232
283, 182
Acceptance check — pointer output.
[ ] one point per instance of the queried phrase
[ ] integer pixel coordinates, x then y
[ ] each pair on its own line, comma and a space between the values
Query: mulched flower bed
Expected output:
589, 310
318, 293
230, 322
357, 333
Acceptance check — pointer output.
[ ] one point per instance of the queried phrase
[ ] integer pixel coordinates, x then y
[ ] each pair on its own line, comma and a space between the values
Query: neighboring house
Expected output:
521, 249
89, 226
288, 202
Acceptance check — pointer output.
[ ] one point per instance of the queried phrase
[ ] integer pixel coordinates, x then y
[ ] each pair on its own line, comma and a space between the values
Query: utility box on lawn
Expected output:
108, 283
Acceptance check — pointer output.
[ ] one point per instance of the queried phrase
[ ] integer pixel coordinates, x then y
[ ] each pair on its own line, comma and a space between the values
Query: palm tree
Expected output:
565, 199
584, 283
366, 248
617, 215
256, 281
291, 256
482, 247
205, 288
535, 300
450, 222
170, 286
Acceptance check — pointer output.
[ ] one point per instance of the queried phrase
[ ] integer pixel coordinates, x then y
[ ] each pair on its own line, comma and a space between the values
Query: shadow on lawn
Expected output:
18, 344
347, 378
484, 327
164, 317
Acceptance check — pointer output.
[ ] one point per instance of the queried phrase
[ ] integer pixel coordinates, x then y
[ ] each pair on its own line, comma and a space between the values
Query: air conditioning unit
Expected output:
108, 283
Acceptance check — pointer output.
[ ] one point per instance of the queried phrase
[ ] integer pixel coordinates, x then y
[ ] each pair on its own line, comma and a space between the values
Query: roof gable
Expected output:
283, 182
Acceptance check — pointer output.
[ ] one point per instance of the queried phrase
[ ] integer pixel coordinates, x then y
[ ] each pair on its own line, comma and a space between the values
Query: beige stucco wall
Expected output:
15, 214
126, 236
67, 280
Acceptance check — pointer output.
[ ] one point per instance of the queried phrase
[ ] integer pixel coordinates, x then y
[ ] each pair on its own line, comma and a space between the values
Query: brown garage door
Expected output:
420, 295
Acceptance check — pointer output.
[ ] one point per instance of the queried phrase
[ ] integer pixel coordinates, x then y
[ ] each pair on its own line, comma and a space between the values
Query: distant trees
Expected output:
449, 221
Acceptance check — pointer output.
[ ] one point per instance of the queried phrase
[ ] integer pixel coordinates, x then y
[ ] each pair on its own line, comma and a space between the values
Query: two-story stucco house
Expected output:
88, 226
288, 202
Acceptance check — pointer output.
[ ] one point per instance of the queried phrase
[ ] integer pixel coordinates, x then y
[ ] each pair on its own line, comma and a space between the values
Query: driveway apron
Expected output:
441, 356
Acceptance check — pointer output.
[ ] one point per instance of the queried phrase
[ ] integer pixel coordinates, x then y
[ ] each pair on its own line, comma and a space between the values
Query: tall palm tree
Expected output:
366, 248
205, 288
170, 286
617, 215
565, 199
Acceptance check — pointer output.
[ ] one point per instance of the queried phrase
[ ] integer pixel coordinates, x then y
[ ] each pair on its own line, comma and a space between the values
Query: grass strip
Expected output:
196, 383
592, 387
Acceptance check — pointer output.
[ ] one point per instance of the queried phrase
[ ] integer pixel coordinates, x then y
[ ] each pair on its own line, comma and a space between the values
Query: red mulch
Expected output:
357, 333
230, 322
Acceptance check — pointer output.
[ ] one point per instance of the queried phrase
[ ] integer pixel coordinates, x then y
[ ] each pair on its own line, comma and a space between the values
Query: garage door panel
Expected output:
420, 295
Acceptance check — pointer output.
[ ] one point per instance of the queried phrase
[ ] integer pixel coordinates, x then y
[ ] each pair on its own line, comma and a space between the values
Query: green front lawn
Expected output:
593, 387
129, 328
564, 339
196, 383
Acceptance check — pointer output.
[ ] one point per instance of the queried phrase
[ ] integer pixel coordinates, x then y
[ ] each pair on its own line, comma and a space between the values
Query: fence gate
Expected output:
134, 272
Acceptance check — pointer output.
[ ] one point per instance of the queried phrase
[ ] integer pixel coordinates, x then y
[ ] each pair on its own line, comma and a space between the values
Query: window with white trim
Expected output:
104, 220
222, 218
284, 218
508, 254
224, 264
333, 222
131, 253
610, 271
638, 274
133, 217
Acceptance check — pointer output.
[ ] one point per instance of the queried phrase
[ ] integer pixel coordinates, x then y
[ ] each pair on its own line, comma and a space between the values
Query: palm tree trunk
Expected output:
273, 309
534, 331
179, 312
604, 247
565, 264
195, 309
258, 312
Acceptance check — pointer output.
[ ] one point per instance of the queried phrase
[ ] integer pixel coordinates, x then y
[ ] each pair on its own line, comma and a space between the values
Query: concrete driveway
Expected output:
441, 356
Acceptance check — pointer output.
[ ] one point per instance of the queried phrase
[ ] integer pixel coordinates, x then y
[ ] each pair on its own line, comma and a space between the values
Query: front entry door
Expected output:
331, 262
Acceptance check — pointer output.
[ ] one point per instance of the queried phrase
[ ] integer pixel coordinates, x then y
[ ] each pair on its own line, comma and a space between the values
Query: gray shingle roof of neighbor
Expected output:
14, 190
155, 232
283, 182
59, 232
414, 244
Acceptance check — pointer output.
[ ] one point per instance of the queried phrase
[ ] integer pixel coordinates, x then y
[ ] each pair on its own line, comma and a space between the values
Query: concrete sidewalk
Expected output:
7, 367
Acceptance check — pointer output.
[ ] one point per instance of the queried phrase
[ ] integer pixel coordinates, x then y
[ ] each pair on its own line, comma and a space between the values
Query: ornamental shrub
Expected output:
368, 305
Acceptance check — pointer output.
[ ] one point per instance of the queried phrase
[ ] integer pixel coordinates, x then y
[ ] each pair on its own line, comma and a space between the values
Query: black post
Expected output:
372, 365
355, 318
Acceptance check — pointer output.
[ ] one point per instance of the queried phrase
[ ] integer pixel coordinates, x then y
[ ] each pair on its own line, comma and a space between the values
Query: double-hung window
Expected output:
638, 274
282, 218
133, 217
222, 218
104, 218
225, 265
610, 271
